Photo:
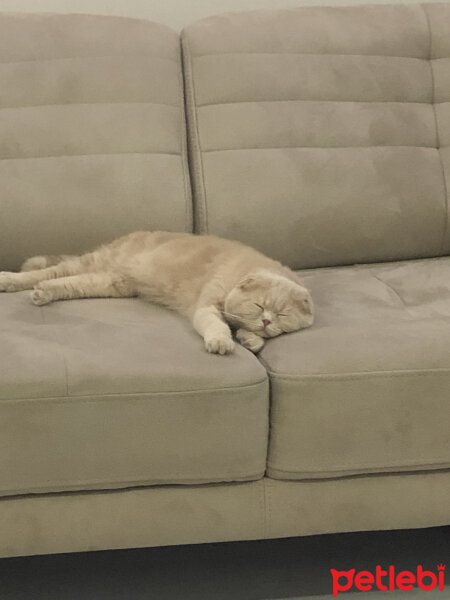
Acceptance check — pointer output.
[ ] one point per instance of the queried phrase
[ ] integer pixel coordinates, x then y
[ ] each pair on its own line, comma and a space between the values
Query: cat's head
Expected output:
268, 304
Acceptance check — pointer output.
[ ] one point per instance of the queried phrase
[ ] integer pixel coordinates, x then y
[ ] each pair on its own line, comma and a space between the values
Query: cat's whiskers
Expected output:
238, 318
229, 314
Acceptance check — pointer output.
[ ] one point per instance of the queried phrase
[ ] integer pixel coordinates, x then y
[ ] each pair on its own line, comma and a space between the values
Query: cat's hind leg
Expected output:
42, 262
86, 285
16, 282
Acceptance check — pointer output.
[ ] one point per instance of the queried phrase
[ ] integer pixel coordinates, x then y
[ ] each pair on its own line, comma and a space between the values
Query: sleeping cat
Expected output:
221, 285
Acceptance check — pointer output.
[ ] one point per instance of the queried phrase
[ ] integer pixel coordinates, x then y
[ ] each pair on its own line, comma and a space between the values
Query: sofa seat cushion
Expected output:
367, 388
98, 394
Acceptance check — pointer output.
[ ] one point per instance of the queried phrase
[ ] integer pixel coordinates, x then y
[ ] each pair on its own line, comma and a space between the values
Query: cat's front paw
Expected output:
40, 296
249, 340
7, 283
219, 344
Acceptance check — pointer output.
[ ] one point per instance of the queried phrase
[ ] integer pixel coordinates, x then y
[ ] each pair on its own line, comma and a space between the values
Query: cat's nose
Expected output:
266, 322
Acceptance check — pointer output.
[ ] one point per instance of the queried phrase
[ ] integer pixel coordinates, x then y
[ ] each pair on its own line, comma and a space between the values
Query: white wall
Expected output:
175, 13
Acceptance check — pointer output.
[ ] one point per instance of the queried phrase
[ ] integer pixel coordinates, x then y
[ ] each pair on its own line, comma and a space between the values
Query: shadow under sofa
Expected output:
318, 135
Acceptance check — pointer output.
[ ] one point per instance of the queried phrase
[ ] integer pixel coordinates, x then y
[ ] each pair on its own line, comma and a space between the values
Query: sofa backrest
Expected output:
320, 135
92, 134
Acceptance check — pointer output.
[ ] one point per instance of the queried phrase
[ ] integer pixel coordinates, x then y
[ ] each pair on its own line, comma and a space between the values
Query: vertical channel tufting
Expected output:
318, 133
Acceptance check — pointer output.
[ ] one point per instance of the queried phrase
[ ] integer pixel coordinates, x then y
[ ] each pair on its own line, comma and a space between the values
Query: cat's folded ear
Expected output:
249, 283
303, 297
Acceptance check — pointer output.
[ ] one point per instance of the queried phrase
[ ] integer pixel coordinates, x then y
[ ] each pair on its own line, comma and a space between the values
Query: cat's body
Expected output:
217, 283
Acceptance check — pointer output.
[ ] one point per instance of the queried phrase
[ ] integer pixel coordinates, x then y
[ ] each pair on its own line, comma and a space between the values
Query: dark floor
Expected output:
277, 569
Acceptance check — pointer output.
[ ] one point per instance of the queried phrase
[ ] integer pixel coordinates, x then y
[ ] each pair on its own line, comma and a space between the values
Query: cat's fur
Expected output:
217, 283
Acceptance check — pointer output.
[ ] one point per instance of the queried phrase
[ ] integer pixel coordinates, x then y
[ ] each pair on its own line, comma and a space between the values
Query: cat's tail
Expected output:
42, 262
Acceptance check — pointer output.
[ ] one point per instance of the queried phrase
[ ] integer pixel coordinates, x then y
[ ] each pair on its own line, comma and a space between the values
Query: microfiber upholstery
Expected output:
102, 394
366, 389
327, 127
320, 136
184, 514
439, 27
330, 129
92, 133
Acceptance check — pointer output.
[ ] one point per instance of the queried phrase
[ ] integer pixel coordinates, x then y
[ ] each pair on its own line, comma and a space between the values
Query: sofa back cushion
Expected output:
313, 130
92, 134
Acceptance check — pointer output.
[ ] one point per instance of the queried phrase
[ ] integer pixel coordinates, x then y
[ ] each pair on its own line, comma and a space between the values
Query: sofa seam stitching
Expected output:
268, 491
108, 102
89, 58
262, 509
438, 141
138, 395
252, 478
189, 220
312, 101
332, 54
440, 462
351, 267
89, 154
361, 146
273, 100
100, 103
358, 375
197, 160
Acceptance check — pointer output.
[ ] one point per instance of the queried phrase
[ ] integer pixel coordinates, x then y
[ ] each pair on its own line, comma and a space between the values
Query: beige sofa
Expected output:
320, 136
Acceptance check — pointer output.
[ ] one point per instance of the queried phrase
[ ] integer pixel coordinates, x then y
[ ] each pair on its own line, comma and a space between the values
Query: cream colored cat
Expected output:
217, 283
